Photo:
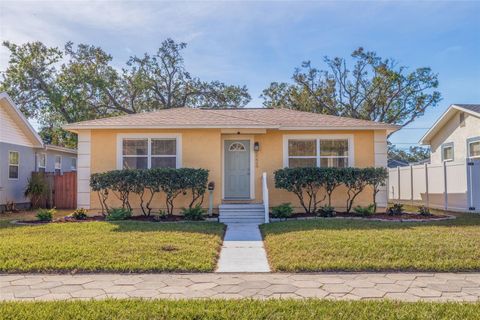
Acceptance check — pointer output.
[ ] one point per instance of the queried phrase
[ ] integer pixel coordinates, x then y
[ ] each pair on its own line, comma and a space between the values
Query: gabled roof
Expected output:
20, 119
473, 109
264, 118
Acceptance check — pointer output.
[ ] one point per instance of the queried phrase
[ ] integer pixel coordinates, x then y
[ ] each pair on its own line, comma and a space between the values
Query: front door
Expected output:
237, 169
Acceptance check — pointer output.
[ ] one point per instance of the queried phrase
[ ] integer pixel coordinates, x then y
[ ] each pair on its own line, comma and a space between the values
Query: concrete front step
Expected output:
242, 213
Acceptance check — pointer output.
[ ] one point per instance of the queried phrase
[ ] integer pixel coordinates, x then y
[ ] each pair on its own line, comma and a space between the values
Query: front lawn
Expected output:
356, 245
238, 310
125, 246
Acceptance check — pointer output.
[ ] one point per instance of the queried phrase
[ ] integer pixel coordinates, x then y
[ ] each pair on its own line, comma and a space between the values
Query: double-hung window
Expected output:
13, 164
448, 152
58, 164
73, 165
149, 152
42, 162
474, 148
318, 151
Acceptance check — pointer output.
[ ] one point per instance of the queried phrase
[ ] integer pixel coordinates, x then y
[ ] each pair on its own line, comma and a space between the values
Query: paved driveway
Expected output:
351, 286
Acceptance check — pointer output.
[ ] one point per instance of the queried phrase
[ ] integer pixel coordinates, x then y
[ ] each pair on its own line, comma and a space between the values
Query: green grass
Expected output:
126, 246
238, 310
353, 245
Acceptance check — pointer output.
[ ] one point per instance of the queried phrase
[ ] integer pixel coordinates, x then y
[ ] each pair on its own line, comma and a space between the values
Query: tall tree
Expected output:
375, 89
412, 154
76, 83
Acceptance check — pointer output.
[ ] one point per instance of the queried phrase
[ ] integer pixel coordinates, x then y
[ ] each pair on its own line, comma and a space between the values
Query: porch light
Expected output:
256, 146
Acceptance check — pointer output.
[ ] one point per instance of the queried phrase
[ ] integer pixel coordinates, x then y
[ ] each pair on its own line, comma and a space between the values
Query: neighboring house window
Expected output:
143, 153
447, 152
73, 167
474, 149
42, 162
321, 152
58, 164
13, 164
462, 119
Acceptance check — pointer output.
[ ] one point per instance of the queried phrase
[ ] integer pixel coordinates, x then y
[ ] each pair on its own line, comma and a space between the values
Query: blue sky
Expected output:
255, 43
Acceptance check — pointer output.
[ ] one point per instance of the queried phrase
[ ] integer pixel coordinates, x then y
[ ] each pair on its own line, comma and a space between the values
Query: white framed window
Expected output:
142, 151
13, 165
474, 149
448, 153
58, 164
73, 165
318, 150
41, 162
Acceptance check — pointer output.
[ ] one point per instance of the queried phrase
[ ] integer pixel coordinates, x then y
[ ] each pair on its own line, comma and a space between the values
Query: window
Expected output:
41, 162
73, 166
447, 152
474, 149
143, 153
58, 164
318, 151
237, 146
13, 164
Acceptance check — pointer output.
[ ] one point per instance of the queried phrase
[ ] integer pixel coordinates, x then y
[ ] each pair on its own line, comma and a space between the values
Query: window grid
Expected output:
149, 154
13, 162
318, 155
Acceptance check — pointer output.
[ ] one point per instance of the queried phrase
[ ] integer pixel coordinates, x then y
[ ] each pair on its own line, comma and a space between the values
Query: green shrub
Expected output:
146, 183
396, 209
282, 211
196, 213
45, 214
37, 190
365, 211
424, 211
118, 214
326, 211
80, 214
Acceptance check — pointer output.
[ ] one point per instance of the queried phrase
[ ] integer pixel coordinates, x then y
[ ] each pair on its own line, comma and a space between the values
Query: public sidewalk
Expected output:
350, 286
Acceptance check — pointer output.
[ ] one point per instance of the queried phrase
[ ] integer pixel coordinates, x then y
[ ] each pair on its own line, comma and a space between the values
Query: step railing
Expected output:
265, 197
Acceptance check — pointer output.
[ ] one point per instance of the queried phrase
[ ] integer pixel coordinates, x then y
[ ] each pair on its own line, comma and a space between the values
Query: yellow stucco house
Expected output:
240, 147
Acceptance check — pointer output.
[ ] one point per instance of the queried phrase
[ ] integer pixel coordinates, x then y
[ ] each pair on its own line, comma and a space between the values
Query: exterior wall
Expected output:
10, 129
12, 190
202, 148
452, 132
66, 160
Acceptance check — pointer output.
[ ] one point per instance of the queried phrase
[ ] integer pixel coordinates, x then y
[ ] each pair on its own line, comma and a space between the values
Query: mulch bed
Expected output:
68, 219
407, 216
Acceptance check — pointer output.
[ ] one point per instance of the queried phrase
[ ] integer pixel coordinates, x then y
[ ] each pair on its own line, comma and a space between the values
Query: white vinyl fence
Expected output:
450, 186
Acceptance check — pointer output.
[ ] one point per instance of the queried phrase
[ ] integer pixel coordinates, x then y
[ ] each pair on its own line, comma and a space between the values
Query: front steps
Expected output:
242, 213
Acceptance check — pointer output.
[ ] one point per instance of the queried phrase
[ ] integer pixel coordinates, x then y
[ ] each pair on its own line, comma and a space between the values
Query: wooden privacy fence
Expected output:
62, 190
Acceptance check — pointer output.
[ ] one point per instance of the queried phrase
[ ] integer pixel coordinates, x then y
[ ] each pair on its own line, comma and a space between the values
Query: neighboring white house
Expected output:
452, 179
456, 135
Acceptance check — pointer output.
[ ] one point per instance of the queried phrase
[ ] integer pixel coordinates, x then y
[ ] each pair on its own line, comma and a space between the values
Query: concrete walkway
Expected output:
350, 286
242, 249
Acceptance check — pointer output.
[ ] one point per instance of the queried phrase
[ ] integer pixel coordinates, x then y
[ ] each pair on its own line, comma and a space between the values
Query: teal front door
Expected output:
237, 169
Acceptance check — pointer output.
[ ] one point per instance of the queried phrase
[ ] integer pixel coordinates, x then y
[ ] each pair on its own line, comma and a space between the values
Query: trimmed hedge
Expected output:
306, 184
148, 182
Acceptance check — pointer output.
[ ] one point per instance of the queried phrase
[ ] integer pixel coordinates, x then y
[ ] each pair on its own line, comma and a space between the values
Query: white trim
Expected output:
83, 169
425, 140
13, 165
24, 120
252, 161
55, 163
318, 137
149, 136
38, 162
61, 149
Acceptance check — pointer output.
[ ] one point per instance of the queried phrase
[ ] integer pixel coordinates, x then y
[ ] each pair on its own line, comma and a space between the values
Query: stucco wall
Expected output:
452, 132
203, 149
